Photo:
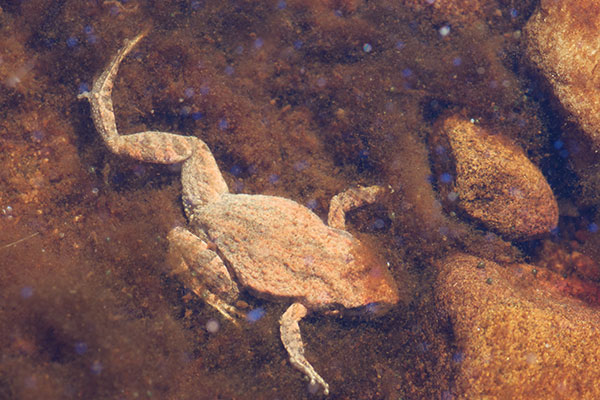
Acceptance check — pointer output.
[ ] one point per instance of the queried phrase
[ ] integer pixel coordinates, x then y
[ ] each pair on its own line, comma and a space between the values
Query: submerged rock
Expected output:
491, 180
562, 41
516, 339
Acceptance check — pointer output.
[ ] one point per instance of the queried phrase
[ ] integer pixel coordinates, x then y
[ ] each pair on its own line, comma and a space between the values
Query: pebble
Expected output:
491, 180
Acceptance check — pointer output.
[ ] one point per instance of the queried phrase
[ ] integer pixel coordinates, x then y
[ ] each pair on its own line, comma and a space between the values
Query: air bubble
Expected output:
223, 124
80, 348
255, 314
96, 367
72, 41
212, 326
445, 178
378, 224
26, 292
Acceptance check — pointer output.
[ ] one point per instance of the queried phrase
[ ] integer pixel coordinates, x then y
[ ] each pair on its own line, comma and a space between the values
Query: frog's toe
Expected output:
230, 312
317, 381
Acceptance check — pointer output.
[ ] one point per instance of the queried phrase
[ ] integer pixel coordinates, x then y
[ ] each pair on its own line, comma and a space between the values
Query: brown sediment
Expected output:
304, 112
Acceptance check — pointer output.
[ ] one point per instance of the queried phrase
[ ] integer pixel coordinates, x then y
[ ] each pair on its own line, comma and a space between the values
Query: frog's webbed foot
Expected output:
203, 272
349, 199
227, 310
292, 341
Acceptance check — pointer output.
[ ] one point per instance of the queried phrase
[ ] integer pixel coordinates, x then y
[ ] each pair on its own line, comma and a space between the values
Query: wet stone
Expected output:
519, 338
562, 41
486, 176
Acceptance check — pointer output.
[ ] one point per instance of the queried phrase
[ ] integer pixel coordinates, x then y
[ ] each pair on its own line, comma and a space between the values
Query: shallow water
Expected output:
295, 99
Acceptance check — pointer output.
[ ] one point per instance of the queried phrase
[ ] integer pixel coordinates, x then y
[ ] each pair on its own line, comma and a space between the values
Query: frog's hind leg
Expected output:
349, 199
154, 147
292, 341
203, 272
201, 178
100, 97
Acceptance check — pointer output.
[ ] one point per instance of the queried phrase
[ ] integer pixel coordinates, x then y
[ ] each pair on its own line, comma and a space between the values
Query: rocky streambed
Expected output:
479, 117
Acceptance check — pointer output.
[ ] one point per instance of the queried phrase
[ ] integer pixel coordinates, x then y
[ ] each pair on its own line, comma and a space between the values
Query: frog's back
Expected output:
279, 248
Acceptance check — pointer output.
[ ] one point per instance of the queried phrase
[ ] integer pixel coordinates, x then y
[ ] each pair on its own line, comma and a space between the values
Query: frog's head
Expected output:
382, 295
370, 310
374, 289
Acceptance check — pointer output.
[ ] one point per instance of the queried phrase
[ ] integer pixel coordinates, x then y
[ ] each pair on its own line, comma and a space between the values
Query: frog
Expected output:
272, 247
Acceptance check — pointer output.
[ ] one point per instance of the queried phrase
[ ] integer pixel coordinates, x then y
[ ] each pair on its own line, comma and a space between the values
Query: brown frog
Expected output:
271, 246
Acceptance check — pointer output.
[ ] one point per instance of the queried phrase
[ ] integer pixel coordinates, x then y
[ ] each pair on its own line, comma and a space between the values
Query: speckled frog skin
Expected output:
273, 247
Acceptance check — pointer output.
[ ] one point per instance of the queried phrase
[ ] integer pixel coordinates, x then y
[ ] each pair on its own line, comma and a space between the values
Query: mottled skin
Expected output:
271, 246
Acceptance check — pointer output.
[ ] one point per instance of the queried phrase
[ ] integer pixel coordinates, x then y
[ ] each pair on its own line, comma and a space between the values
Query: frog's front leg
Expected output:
292, 341
349, 199
203, 272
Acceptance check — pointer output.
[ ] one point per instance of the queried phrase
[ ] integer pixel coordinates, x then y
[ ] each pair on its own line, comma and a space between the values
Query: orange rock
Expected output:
562, 40
567, 263
585, 266
517, 339
490, 178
